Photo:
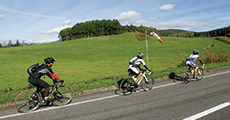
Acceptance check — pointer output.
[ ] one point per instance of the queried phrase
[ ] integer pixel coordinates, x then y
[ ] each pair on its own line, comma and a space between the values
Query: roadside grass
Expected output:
223, 39
92, 63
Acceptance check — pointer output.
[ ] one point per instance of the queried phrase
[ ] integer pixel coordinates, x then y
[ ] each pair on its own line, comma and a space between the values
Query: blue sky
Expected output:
39, 21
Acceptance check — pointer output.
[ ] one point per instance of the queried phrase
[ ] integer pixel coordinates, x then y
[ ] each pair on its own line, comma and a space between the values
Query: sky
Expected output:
40, 21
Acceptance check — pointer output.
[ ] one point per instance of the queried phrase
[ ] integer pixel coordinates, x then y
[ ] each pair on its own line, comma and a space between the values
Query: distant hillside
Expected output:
113, 27
176, 33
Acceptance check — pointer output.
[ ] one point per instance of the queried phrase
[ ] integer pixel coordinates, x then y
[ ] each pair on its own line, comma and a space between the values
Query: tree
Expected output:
17, 43
10, 43
65, 34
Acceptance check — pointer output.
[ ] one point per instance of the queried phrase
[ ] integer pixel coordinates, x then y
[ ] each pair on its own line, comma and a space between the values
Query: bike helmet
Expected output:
195, 52
140, 55
49, 60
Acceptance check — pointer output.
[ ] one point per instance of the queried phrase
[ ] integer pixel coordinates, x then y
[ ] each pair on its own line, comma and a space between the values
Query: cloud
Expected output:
2, 17
57, 29
185, 25
46, 40
132, 17
67, 22
167, 7
6, 9
129, 17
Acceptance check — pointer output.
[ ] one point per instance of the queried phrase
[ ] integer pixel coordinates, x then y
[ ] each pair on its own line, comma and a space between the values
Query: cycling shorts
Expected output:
133, 70
190, 63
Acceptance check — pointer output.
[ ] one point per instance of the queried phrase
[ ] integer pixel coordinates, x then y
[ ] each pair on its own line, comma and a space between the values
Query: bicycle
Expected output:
30, 100
146, 82
189, 76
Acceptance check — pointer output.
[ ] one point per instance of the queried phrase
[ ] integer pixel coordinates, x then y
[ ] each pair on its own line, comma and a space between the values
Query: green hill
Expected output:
91, 63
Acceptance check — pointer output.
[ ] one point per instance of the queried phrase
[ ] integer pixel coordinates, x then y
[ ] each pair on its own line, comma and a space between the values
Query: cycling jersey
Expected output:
193, 57
191, 60
39, 83
135, 63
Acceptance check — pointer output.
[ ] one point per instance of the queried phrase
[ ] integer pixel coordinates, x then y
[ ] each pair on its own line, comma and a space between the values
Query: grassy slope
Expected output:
94, 62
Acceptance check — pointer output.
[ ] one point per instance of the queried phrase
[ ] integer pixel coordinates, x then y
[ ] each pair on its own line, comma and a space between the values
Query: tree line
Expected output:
214, 33
11, 44
99, 28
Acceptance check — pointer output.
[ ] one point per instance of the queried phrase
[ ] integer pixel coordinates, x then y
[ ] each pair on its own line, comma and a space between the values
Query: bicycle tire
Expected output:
147, 84
27, 101
200, 74
126, 86
185, 78
61, 96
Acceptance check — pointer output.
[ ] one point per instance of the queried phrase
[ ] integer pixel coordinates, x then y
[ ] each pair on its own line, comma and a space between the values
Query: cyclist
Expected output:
191, 62
44, 69
135, 63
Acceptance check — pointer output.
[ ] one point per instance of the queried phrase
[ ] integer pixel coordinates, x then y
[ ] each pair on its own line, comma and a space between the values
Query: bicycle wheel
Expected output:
200, 74
186, 77
126, 86
62, 96
27, 101
148, 83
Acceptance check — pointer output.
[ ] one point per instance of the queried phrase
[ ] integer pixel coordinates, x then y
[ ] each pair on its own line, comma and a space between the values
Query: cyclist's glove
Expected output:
55, 80
62, 81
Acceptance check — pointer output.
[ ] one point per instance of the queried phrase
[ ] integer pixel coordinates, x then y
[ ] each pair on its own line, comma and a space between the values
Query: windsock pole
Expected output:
146, 41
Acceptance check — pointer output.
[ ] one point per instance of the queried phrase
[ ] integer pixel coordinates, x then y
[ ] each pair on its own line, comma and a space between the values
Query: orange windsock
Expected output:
156, 36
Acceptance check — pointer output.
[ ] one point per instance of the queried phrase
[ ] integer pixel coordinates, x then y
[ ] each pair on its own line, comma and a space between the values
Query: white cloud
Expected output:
67, 22
6, 9
132, 17
46, 40
167, 7
129, 17
2, 17
57, 29
54, 30
185, 25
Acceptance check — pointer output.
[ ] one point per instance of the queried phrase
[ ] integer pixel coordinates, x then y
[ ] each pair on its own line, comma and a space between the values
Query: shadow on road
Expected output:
175, 77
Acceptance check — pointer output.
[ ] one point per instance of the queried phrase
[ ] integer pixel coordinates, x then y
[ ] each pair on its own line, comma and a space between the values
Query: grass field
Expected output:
91, 63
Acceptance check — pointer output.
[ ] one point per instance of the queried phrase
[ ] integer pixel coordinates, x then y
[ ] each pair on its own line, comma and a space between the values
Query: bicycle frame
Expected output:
143, 77
51, 88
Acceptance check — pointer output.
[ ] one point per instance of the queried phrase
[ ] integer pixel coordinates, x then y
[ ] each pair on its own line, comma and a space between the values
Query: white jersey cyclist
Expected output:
135, 63
192, 58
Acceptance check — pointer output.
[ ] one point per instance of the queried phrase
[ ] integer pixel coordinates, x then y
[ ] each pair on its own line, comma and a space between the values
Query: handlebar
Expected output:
144, 70
201, 65
55, 81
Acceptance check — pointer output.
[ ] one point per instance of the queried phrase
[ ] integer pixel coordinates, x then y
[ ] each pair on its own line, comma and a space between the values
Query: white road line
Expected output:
98, 99
209, 111
216, 74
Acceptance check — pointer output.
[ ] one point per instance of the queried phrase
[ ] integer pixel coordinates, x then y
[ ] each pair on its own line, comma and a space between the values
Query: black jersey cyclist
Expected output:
45, 69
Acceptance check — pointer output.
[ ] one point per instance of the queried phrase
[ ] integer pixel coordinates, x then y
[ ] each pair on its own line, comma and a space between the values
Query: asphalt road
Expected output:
208, 99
